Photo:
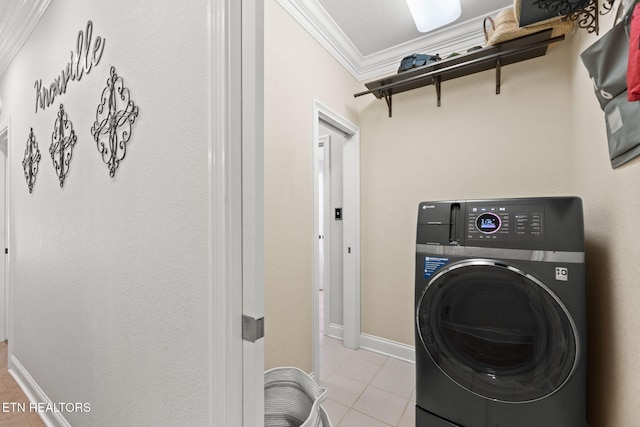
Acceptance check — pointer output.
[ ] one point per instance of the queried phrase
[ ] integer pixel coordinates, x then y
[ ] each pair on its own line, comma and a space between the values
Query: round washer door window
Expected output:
497, 331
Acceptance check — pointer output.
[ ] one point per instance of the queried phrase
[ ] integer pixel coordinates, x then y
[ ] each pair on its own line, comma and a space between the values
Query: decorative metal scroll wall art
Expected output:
63, 140
115, 115
585, 15
31, 160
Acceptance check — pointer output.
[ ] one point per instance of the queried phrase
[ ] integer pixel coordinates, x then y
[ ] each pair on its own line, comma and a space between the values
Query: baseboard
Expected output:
336, 331
35, 394
388, 347
379, 345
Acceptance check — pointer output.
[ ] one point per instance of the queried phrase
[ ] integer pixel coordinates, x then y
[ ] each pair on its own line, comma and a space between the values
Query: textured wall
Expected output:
611, 202
110, 275
477, 145
297, 70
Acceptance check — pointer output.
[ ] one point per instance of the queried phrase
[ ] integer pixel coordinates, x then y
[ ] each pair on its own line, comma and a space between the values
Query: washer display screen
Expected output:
488, 223
505, 222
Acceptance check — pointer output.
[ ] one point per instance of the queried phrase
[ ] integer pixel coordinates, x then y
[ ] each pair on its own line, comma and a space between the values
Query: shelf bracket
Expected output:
498, 76
438, 90
387, 97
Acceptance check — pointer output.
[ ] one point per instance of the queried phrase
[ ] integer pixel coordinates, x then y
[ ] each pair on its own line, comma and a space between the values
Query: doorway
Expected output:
331, 258
341, 283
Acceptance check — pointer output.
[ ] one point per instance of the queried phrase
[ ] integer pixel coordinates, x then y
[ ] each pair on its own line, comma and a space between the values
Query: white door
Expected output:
331, 145
324, 205
351, 239
236, 213
253, 212
3, 231
334, 142
252, 111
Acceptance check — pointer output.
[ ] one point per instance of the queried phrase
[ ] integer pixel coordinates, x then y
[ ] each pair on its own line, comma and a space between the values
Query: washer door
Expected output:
497, 331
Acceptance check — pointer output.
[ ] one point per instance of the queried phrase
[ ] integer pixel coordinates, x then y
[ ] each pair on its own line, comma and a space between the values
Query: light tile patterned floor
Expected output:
11, 393
366, 388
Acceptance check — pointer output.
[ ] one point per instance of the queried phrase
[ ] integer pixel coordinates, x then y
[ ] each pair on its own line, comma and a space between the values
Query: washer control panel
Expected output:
505, 222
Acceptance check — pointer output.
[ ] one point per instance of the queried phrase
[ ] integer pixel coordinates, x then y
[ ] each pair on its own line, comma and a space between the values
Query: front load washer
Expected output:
500, 313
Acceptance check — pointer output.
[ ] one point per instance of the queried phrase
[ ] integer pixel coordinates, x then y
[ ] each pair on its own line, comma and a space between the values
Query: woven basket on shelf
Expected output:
505, 27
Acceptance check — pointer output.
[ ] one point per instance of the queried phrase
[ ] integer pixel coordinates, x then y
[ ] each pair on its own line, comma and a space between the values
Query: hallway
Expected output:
13, 398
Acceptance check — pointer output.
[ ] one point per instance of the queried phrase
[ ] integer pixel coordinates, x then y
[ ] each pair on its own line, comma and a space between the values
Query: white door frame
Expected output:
351, 230
236, 252
5, 299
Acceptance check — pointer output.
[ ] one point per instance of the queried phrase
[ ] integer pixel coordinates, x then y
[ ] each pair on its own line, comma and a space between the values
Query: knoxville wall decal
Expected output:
63, 140
31, 160
87, 54
115, 115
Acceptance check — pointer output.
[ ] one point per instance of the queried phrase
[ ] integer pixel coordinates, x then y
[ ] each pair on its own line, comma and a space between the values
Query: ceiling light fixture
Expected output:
431, 14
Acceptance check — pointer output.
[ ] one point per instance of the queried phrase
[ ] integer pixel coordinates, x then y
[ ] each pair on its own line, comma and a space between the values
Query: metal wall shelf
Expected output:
491, 57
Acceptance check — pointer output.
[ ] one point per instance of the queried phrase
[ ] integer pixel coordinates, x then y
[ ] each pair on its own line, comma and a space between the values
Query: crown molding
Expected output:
458, 38
18, 30
317, 22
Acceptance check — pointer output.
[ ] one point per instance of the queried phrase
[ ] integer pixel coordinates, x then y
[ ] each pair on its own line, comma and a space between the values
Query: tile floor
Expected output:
365, 389
10, 393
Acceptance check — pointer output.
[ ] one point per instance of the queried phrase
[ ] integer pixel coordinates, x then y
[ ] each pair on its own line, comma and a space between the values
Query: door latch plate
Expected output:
252, 329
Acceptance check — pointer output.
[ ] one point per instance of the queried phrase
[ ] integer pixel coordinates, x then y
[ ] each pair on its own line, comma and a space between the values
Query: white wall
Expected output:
110, 295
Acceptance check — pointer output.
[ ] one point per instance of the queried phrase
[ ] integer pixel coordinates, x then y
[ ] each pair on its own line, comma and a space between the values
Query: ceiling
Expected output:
17, 19
368, 37
376, 25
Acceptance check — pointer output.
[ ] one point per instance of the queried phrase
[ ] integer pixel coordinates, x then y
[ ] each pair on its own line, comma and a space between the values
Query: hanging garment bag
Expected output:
633, 69
623, 129
606, 62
